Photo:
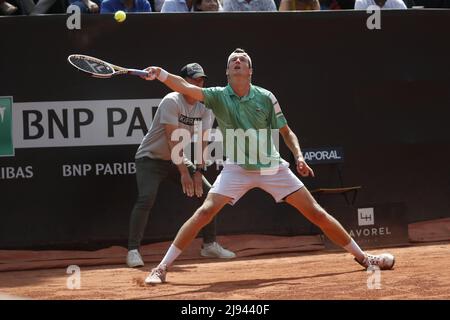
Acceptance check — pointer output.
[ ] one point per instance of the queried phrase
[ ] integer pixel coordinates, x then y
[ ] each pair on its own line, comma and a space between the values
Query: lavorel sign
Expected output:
373, 225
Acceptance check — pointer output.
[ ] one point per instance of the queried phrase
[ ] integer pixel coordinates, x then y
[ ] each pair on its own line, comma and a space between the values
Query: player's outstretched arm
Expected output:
174, 82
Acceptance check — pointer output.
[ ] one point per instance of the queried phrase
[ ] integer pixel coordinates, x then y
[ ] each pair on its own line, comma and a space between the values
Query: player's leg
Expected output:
210, 247
202, 216
231, 184
211, 206
304, 202
284, 185
149, 174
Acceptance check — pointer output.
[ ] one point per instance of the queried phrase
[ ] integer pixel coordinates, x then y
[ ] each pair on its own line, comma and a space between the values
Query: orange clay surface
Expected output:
421, 272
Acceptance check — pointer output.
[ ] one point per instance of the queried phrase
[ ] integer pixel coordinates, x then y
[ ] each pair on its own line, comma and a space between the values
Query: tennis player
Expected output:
242, 105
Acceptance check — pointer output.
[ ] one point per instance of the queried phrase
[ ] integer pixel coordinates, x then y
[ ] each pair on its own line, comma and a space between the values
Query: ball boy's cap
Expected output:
193, 71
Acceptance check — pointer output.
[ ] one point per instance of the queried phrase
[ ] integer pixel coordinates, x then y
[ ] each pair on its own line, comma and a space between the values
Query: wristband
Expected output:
163, 74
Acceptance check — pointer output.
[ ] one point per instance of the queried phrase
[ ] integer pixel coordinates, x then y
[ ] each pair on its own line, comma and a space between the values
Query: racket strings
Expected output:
92, 66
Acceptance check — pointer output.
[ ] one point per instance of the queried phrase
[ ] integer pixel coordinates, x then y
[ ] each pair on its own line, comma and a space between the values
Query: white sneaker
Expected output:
134, 259
215, 250
384, 261
158, 275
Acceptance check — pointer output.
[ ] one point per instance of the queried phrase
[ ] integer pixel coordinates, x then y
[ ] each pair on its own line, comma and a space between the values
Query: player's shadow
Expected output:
231, 286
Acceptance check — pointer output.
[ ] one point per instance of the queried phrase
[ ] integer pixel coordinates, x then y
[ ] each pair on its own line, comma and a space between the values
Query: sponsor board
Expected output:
323, 155
371, 226
78, 123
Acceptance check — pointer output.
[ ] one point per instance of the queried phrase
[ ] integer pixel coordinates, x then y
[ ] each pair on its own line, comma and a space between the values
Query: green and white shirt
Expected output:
246, 124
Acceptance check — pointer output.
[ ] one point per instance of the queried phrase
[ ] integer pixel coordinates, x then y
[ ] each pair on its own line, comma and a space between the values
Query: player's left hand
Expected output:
303, 168
198, 183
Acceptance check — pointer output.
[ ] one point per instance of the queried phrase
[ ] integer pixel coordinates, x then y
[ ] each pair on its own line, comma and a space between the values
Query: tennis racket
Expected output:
100, 69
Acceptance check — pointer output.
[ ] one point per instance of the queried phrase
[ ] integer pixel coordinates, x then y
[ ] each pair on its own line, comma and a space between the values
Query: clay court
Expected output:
420, 272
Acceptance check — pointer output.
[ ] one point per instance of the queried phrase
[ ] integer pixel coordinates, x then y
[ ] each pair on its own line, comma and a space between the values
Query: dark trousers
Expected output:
149, 175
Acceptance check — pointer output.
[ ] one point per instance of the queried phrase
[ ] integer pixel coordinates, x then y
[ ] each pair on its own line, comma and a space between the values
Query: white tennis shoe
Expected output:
134, 259
384, 261
215, 250
158, 275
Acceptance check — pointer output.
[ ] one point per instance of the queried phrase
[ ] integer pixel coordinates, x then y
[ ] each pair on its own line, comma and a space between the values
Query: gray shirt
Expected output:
254, 5
173, 109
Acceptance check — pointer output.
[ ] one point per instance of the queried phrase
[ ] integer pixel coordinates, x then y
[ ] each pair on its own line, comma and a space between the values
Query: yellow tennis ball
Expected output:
120, 16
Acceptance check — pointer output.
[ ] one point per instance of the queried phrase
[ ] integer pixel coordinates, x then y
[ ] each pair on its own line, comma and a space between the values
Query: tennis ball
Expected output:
120, 16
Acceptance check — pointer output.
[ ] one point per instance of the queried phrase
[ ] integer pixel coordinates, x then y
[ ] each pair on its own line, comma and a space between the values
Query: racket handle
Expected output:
136, 72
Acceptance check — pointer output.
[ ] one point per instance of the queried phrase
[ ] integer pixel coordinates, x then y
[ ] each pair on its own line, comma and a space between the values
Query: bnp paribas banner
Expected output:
6, 127
73, 123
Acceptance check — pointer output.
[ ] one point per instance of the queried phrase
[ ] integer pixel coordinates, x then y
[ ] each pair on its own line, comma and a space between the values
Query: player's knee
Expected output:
204, 215
320, 217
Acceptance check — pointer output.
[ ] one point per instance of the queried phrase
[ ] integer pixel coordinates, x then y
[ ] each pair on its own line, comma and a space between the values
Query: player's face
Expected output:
199, 82
239, 65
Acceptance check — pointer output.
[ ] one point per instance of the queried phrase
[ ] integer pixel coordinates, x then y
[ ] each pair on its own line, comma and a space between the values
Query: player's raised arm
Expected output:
174, 82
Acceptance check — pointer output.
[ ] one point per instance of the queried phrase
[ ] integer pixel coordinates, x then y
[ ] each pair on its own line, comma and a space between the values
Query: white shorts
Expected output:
235, 181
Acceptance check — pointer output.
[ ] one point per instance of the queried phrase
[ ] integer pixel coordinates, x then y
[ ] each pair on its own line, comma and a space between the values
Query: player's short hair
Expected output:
239, 50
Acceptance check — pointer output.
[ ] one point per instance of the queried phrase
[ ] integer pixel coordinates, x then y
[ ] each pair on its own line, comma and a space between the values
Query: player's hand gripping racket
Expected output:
100, 69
